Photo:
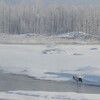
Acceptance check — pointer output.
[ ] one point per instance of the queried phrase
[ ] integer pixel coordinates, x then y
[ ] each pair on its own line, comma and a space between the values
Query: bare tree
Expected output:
26, 17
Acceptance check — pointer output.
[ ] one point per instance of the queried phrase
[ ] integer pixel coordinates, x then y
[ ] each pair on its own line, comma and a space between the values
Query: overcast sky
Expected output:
76, 2
67, 2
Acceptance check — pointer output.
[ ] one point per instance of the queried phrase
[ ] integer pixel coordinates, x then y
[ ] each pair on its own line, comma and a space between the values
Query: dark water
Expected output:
11, 82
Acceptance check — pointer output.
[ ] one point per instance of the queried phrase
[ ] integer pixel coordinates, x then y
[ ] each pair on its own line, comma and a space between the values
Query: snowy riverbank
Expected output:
44, 39
34, 95
52, 62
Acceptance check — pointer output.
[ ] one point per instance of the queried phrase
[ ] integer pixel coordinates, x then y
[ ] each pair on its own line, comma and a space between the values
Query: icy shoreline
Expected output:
13, 82
36, 95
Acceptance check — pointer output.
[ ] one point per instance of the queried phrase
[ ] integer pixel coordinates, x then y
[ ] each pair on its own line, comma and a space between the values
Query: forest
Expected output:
24, 17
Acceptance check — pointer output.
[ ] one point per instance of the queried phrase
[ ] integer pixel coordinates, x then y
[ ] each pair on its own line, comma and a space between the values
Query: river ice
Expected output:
52, 62
40, 95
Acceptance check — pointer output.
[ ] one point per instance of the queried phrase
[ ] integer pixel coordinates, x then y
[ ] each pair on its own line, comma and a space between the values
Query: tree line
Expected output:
55, 19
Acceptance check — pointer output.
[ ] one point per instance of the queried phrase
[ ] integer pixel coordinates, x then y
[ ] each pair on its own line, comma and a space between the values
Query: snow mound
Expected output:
78, 54
53, 51
76, 35
94, 49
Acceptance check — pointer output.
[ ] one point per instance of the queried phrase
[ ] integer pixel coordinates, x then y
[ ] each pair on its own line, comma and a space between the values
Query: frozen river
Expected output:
11, 82
58, 63
52, 62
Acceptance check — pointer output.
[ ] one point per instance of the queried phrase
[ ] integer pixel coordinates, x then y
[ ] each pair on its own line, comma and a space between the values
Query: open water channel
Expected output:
12, 82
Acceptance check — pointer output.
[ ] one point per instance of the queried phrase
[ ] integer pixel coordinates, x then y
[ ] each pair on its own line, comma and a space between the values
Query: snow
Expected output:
40, 95
75, 35
52, 62
64, 38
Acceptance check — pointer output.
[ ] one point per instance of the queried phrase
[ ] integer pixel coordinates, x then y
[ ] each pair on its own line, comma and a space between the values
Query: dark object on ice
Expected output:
78, 79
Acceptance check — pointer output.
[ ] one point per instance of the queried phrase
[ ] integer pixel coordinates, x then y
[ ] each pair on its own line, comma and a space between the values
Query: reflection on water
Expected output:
10, 82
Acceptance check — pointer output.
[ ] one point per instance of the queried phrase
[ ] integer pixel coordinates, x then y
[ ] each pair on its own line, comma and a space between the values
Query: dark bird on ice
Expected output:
78, 79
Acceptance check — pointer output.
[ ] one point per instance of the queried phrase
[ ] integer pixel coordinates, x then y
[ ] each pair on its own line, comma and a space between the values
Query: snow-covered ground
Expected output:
77, 35
52, 62
65, 38
33, 95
